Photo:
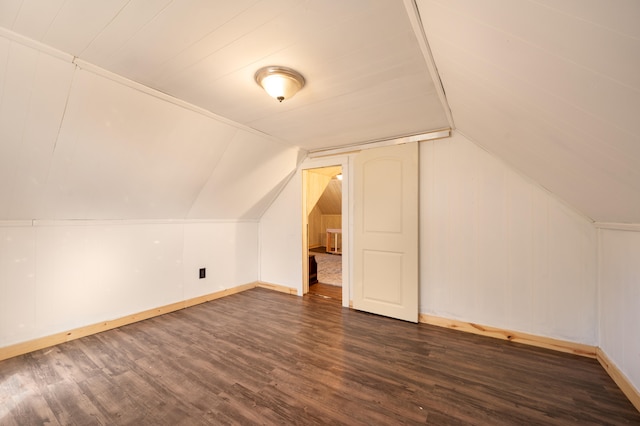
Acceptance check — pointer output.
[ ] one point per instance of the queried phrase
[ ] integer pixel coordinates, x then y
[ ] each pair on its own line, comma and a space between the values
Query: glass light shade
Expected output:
279, 82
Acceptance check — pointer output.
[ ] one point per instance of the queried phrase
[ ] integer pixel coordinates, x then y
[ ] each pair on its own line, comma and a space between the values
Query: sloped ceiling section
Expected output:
76, 145
366, 76
552, 87
330, 201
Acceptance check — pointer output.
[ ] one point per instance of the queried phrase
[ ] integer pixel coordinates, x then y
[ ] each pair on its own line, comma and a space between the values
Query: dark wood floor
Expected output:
327, 291
262, 357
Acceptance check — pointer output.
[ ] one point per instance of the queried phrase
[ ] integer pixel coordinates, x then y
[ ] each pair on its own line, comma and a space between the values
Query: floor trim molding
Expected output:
277, 287
618, 376
513, 336
66, 336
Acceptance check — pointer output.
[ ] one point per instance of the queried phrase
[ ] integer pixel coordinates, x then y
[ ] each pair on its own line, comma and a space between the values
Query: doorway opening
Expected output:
323, 214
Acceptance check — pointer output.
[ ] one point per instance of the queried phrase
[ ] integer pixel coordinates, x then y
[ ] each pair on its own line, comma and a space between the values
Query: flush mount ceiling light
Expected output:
279, 82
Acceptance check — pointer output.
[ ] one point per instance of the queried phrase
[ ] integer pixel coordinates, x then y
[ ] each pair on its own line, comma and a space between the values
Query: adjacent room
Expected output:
324, 235
319, 212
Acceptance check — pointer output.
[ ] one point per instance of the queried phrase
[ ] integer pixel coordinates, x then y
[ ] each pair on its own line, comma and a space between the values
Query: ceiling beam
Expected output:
439, 134
421, 37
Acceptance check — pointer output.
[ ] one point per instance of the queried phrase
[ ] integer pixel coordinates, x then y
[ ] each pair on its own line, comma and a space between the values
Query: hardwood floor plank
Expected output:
263, 357
29, 410
326, 290
70, 405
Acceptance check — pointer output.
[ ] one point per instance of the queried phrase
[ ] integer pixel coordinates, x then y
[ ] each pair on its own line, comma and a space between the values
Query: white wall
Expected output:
281, 238
619, 288
499, 250
55, 276
496, 249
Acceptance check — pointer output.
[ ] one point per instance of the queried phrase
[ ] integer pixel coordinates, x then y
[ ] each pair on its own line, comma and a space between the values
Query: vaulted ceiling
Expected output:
550, 86
148, 108
367, 78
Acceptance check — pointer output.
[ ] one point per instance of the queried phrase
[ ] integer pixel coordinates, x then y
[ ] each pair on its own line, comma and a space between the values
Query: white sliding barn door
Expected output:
386, 231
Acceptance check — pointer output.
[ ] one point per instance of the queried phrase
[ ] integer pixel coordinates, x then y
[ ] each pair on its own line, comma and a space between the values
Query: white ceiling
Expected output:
366, 76
552, 87
83, 137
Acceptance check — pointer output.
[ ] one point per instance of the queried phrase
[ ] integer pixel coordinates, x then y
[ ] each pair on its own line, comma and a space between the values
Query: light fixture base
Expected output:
279, 82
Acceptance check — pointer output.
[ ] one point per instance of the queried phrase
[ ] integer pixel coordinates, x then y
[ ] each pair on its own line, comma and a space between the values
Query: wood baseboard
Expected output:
512, 336
66, 336
277, 287
219, 294
618, 376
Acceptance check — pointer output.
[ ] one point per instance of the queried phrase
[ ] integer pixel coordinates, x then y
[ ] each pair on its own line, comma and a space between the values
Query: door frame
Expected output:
317, 163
